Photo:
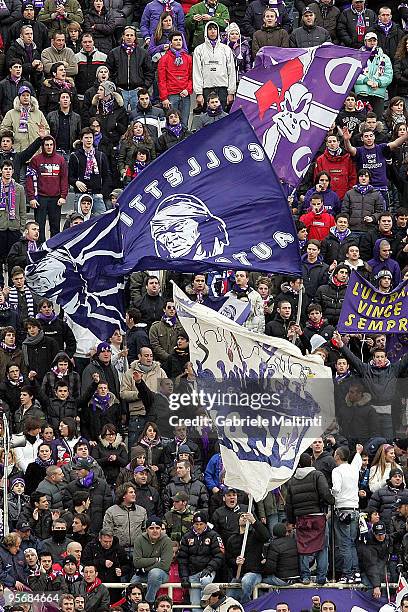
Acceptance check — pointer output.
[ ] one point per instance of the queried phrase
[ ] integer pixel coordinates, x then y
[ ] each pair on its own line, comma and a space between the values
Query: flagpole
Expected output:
299, 309
244, 541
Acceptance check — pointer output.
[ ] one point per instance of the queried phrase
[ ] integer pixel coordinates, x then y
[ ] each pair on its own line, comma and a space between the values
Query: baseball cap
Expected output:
180, 496
208, 590
23, 526
370, 35
379, 529
23, 89
140, 468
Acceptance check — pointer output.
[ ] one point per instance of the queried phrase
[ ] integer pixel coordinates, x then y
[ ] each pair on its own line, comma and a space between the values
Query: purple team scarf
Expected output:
87, 481
128, 48
101, 403
6, 348
175, 129
8, 199
24, 114
91, 164
178, 60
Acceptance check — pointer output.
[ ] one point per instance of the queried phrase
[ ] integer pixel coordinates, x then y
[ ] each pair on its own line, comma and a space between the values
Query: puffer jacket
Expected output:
282, 558
401, 76
130, 71
199, 552
11, 121
308, 493
151, 17
54, 492
358, 421
88, 63
167, 140
358, 206
128, 390
340, 168
269, 37
253, 19
101, 499
95, 554
61, 409
331, 298
314, 275
120, 9
125, 523
195, 489
306, 37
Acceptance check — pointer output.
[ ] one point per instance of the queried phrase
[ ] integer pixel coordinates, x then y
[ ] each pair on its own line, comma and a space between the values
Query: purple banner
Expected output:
346, 600
292, 97
368, 311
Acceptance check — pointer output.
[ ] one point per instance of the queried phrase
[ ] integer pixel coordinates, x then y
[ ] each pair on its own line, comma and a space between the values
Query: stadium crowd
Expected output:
101, 487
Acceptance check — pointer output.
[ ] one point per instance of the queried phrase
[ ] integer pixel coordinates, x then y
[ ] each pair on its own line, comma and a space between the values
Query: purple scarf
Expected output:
128, 48
175, 129
107, 106
87, 481
171, 321
138, 167
47, 318
24, 113
363, 189
8, 349
44, 463
340, 235
101, 403
8, 199
178, 60
385, 27
91, 164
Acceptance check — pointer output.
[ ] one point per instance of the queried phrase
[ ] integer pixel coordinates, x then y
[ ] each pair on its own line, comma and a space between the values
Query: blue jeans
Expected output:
274, 519
154, 579
345, 543
195, 594
249, 582
129, 99
322, 560
182, 105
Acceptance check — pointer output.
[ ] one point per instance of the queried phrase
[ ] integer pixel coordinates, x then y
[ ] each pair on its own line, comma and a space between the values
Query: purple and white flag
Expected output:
292, 97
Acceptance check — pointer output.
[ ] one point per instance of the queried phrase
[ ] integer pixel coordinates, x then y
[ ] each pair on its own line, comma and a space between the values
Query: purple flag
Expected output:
292, 97
366, 310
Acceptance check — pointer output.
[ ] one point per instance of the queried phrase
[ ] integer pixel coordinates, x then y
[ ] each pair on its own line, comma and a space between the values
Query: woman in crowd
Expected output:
136, 135
381, 466
110, 453
63, 446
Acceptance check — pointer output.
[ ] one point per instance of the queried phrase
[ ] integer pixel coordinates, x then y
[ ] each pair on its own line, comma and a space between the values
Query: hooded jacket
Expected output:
384, 501
11, 121
331, 201
340, 168
172, 79
103, 450
308, 493
379, 69
50, 94
327, 20
241, 50
11, 567
376, 264
47, 175
213, 66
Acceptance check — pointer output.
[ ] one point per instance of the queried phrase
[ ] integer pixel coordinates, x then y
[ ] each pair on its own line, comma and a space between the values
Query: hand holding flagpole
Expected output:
244, 541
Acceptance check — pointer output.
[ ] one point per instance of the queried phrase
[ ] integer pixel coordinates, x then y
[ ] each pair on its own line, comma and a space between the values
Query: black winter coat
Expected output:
357, 422
401, 76
34, 474
44, 582
60, 409
93, 419
199, 552
111, 469
253, 19
8, 91
151, 308
325, 464
41, 527
390, 42
101, 499
50, 93
149, 498
282, 558
358, 206
17, 50
40, 33
41, 355
258, 535
347, 27
384, 500
308, 492
329, 21
101, 27
308, 37
95, 600
278, 327
369, 239
53, 119
334, 250
18, 253
373, 556
95, 554
225, 520
115, 123
130, 72
168, 140
97, 183
314, 275
62, 334
331, 298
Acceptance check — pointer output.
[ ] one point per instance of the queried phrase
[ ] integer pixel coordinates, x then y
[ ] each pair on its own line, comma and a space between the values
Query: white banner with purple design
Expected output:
267, 401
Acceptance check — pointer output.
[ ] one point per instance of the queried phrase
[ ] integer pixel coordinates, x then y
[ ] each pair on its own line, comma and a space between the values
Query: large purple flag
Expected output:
292, 97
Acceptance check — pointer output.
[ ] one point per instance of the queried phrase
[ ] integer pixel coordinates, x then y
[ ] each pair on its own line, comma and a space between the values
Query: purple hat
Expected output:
23, 89
103, 346
140, 468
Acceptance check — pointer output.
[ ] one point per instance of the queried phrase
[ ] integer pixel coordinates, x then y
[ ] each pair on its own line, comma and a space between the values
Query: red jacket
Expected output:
171, 78
187, 4
47, 176
340, 168
318, 226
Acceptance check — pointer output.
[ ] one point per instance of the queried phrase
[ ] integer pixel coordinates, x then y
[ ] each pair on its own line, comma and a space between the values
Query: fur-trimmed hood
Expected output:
33, 103
117, 442
49, 82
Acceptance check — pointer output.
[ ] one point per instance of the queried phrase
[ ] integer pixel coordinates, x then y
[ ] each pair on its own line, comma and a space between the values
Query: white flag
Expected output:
267, 401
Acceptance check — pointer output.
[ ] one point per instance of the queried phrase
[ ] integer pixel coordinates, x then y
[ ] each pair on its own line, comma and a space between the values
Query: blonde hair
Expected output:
379, 461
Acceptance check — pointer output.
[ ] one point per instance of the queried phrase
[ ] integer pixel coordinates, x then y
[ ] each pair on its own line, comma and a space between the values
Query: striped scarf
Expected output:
13, 300
24, 114
8, 199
